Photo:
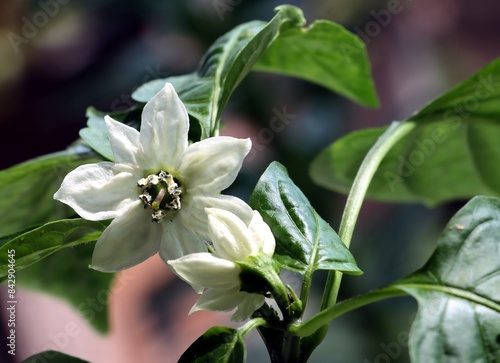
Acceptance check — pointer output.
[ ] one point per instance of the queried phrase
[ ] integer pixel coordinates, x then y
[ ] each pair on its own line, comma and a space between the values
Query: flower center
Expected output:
161, 194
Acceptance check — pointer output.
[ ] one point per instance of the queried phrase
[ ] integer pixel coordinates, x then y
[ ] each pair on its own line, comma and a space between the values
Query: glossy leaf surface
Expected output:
35, 244
458, 290
218, 344
304, 241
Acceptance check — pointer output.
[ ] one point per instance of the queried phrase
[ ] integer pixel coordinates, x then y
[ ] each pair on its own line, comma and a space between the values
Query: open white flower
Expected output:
233, 240
158, 188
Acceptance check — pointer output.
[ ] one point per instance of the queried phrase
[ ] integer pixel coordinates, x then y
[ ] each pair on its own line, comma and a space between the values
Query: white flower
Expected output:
158, 188
233, 240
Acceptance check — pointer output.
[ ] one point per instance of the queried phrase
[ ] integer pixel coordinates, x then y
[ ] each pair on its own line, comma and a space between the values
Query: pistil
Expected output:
161, 194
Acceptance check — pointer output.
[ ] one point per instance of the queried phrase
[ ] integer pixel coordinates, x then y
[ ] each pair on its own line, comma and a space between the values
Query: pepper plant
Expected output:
151, 183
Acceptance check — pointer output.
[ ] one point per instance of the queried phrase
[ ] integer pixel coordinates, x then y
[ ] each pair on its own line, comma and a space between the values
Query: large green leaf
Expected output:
304, 241
53, 357
27, 189
324, 53
452, 152
35, 244
206, 91
66, 275
218, 344
458, 290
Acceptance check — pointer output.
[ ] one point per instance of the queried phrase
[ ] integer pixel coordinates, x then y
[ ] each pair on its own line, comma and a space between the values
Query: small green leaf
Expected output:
66, 275
452, 153
35, 244
27, 189
458, 290
324, 53
53, 357
96, 134
218, 344
304, 241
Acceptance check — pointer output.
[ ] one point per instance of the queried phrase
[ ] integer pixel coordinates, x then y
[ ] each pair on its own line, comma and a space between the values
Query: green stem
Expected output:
252, 324
357, 194
325, 316
366, 171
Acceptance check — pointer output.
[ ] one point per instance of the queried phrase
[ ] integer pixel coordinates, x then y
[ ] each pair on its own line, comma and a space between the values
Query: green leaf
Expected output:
35, 244
304, 241
96, 134
219, 344
206, 92
452, 152
53, 357
66, 275
27, 189
458, 290
324, 53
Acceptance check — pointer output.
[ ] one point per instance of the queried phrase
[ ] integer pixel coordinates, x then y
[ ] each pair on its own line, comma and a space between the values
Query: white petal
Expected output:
194, 215
164, 130
211, 165
204, 269
179, 240
218, 300
230, 236
128, 241
99, 191
261, 234
249, 303
124, 142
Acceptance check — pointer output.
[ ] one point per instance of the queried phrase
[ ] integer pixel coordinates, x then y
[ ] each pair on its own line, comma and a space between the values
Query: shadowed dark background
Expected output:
59, 57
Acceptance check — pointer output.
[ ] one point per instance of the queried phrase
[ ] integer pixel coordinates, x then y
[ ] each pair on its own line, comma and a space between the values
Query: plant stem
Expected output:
325, 316
357, 194
365, 174
366, 171
252, 324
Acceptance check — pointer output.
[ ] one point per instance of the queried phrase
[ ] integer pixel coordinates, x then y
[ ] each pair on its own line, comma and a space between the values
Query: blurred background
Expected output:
58, 57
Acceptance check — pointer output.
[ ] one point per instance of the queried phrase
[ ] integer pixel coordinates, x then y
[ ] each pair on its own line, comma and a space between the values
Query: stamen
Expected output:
162, 194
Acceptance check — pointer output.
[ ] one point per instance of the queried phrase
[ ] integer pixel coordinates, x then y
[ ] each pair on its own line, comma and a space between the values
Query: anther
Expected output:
162, 195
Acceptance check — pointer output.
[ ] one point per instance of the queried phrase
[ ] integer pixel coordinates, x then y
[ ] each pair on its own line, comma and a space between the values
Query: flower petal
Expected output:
211, 165
164, 130
230, 236
99, 191
128, 241
249, 303
124, 141
204, 269
261, 234
193, 213
218, 300
179, 240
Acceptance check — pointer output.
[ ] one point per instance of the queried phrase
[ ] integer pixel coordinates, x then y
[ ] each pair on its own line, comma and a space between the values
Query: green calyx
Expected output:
260, 275
257, 274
